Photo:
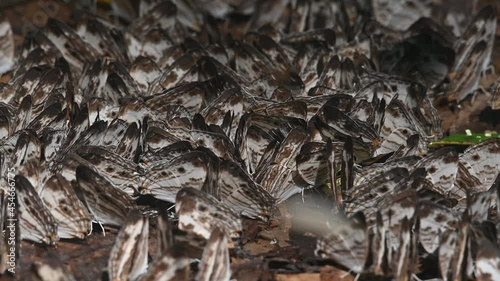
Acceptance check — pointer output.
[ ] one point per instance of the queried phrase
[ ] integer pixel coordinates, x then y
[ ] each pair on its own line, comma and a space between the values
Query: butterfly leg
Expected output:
488, 77
349, 273
102, 227
100, 224
414, 277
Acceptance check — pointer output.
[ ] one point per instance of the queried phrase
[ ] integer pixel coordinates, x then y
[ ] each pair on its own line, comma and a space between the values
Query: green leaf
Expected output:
463, 140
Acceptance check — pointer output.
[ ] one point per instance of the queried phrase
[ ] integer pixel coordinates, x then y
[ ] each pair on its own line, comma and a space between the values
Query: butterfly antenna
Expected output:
414, 277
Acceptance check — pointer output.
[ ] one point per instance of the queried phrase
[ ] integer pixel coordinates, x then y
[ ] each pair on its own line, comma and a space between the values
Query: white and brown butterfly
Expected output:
481, 204
404, 261
164, 178
240, 192
473, 54
441, 169
337, 125
214, 264
128, 259
51, 270
36, 222
173, 265
435, 223
76, 51
487, 261
365, 196
144, 71
105, 203
200, 213
6, 45
72, 217
401, 15
5, 215
367, 173
394, 208
99, 35
278, 177
165, 236
121, 172
480, 166
346, 242
454, 256
312, 163
157, 138
396, 127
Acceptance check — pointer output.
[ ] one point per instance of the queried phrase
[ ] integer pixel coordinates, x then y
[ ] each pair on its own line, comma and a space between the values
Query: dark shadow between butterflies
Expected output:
421, 58
105, 276
490, 116
149, 200
283, 266
428, 267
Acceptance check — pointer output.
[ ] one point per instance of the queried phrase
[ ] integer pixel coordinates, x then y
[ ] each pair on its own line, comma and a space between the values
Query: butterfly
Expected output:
279, 177
239, 191
74, 49
165, 236
453, 252
396, 127
36, 222
495, 95
231, 103
400, 15
311, 163
346, 242
394, 208
53, 270
99, 35
144, 71
173, 265
105, 203
435, 222
404, 261
334, 124
478, 166
59, 197
473, 54
164, 178
121, 172
5, 216
129, 256
487, 261
368, 173
214, 264
365, 195
441, 168
201, 213
253, 142
157, 138
109, 80
6, 45
479, 204
339, 74
309, 61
